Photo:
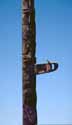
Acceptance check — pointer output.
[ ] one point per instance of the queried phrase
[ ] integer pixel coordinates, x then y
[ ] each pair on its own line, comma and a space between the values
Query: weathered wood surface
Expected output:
29, 60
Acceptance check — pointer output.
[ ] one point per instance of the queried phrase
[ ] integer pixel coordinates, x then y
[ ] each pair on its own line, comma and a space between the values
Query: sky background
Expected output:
54, 42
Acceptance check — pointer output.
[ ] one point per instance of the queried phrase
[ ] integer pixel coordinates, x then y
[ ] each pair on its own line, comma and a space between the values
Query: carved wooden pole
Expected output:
29, 66
29, 60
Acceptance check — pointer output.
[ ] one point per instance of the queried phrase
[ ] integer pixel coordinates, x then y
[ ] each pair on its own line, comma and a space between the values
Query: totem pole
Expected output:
29, 66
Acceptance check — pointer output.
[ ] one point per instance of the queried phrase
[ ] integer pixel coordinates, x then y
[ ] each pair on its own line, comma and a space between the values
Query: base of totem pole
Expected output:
30, 116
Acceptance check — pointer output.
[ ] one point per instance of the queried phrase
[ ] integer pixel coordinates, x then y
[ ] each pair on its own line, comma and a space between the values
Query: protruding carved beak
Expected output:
45, 68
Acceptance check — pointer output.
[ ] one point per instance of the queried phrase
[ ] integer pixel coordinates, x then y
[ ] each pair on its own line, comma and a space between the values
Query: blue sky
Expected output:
54, 42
